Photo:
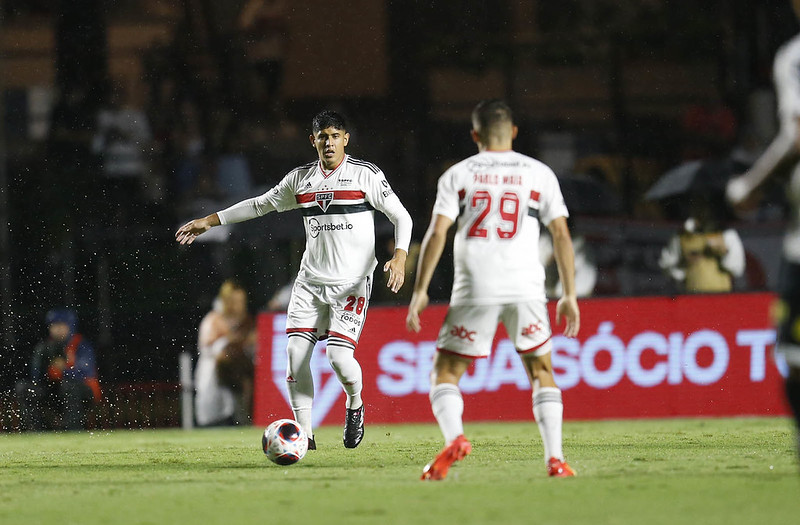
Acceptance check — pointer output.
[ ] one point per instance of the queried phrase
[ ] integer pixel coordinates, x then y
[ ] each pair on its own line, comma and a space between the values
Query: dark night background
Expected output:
620, 90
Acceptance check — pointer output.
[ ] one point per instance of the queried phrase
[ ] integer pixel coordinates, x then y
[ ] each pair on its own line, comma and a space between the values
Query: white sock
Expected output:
299, 381
448, 407
548, 410
348, 371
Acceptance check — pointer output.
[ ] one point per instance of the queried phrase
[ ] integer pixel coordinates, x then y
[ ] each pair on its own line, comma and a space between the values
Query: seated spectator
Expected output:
703, 257
63, 380
224, 372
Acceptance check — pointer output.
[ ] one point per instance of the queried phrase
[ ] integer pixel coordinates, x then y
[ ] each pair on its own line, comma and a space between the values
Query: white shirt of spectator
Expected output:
498, 199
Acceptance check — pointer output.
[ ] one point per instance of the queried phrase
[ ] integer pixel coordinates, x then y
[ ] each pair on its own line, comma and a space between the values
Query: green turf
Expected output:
722, 471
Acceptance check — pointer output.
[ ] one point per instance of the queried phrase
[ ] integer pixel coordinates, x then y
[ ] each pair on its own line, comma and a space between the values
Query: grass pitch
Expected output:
718, 471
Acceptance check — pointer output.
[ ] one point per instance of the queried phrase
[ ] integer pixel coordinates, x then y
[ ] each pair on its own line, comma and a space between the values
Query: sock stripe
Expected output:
444, 390
342, 343
547, 397
305, 335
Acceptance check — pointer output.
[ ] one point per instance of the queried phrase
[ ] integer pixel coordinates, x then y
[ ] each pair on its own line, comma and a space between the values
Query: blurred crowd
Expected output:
123, 165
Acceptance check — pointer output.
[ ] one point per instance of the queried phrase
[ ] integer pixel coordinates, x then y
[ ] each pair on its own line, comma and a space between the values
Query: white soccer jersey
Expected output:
786, 75
338, 213
498, 199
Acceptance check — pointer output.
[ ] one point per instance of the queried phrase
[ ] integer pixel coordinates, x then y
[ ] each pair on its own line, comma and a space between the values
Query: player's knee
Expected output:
339, 357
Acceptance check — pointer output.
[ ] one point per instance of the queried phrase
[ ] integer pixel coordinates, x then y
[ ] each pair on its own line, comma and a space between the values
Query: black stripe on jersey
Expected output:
304, 167
533, 212
334, 209
364, 164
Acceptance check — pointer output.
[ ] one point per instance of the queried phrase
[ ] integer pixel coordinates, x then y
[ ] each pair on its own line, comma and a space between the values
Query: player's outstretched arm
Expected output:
783, 147
187, 233
430, 252
567, 306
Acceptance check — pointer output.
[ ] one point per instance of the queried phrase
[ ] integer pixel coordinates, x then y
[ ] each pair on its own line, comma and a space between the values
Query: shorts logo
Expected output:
463, 333
324, 200
532, 328
350, 318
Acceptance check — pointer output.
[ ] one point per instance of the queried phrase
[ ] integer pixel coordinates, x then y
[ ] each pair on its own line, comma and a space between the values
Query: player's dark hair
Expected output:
327, 119
489, 113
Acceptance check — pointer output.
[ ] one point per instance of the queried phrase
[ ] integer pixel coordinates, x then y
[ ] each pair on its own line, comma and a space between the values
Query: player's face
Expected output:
330, 144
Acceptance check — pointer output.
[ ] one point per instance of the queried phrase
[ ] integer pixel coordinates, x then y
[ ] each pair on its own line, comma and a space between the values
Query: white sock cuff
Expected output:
444, 389
547, 394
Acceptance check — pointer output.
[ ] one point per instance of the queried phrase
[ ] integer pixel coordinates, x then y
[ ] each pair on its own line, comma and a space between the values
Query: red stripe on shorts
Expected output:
451, 352
295, 330
342, 336
535, 348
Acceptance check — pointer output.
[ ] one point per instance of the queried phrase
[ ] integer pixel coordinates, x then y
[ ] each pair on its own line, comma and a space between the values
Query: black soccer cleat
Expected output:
312, 445
354, 427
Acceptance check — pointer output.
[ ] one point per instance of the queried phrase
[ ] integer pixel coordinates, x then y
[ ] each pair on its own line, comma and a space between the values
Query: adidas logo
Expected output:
308, 185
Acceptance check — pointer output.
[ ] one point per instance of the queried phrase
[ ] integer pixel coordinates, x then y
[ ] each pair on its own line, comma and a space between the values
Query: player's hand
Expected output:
419, 301
397, 271
567, 308
187, 233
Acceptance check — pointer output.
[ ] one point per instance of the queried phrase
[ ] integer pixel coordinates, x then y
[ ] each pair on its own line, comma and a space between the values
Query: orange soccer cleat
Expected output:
456, 450
559, 469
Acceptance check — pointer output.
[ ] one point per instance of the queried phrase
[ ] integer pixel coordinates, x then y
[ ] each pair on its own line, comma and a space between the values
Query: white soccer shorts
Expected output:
468, 330
326, 309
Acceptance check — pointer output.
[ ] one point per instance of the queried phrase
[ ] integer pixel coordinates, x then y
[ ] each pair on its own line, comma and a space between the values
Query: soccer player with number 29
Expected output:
337, 196
497, 198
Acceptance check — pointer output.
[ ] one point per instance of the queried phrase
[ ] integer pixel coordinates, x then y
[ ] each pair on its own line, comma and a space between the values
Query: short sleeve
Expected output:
447, 196
551, 204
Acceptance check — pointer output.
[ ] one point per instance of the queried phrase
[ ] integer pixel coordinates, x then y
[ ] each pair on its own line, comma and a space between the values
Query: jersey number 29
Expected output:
508, 210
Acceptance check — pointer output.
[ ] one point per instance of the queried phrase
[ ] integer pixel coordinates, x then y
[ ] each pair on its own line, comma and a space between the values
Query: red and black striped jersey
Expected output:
338, 214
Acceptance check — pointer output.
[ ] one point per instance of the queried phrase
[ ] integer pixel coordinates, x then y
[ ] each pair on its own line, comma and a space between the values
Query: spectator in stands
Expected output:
123, 141
63, 379
224, 372
232, 175
704, 257
263, 27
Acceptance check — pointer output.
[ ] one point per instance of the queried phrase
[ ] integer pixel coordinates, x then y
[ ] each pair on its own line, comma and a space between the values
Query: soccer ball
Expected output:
284, 442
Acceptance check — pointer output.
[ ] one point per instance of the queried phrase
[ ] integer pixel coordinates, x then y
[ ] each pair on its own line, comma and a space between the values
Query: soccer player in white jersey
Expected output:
337, 195
497, 198
784, 148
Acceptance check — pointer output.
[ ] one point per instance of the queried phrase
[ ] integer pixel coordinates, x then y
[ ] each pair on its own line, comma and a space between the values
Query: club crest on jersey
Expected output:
324, 200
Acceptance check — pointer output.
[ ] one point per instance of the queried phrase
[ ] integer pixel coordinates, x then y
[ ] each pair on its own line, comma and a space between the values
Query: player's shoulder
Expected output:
301, 171
529, 162
789, 53
362, 165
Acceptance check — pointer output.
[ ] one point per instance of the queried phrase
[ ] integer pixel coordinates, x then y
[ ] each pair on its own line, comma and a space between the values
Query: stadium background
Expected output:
618, 90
